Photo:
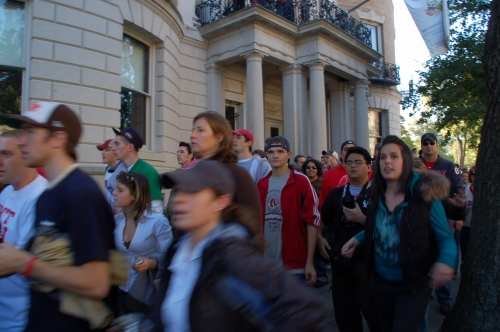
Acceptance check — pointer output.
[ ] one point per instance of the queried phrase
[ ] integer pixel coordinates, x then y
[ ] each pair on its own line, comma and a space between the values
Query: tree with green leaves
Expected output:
451, 92
478, 303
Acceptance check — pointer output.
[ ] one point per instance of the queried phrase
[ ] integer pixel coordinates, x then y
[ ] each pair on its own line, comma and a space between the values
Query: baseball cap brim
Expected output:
182, 182
20, 119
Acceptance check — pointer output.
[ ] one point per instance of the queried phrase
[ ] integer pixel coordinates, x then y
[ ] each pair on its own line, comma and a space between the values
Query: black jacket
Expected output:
332, 216
418, 248
238, 291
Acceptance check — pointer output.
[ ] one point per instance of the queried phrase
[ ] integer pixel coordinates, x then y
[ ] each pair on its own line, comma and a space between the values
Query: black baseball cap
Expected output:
199, 175
429, 136
283, 143
345, 143
132, 136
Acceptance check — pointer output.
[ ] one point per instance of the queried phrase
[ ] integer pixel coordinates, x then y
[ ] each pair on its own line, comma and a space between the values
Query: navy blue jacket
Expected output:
451, 172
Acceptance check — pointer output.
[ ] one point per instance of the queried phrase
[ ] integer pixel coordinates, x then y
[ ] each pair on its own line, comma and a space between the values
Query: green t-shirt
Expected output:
148, 171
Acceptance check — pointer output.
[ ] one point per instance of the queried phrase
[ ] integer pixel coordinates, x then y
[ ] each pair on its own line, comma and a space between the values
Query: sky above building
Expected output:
411, 51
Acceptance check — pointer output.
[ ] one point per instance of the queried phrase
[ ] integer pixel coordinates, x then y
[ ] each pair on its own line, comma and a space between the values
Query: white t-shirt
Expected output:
257, 167
17, 217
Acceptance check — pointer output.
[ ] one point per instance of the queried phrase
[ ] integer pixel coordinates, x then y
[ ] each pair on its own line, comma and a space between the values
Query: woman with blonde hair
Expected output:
212, 138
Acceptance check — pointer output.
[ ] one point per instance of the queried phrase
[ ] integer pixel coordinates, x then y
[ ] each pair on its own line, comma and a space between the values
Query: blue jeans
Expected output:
444, 293
320, 266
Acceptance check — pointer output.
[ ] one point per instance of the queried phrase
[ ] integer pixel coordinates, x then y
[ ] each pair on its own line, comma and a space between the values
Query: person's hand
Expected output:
440, 274
458, 224
145, 265
310, 273
354, 215
322, 245
12, 260
458, 200
349, 247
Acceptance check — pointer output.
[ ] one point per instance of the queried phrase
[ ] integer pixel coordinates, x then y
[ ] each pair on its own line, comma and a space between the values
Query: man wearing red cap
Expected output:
114, 168
242, 147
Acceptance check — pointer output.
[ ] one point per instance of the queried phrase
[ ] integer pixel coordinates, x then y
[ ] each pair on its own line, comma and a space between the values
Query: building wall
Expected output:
75, 58
380, 98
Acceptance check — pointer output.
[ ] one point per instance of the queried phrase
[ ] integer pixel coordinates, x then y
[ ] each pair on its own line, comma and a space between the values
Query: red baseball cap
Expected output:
104, 145
244, 132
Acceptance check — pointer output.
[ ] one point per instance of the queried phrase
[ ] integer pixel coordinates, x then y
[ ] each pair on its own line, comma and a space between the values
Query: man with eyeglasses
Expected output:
449, 170
337, 176
351, 292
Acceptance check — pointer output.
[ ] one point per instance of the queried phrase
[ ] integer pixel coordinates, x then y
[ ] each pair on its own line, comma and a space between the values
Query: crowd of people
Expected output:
243, 235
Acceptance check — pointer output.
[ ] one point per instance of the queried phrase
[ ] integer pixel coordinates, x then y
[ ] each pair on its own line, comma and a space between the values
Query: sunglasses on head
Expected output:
311, 167
426, 143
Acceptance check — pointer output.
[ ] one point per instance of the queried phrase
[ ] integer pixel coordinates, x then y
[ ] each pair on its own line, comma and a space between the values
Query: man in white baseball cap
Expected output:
73, 205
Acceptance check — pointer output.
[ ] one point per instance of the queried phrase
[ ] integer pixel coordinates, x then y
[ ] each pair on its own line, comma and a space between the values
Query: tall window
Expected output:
374, 36
135, 89
375, 128
11, 56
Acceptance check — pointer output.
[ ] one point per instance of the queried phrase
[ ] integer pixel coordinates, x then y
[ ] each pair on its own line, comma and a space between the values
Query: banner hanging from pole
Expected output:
432, 20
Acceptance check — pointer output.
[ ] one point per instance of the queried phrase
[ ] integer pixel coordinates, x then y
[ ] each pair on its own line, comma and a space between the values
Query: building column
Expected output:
318, 135
361, 114
254, 114
215, 101
340, 117
295, 107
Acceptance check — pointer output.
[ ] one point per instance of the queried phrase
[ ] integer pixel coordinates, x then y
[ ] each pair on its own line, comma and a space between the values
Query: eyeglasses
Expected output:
355, 162
311, 167
428, 142
130, 177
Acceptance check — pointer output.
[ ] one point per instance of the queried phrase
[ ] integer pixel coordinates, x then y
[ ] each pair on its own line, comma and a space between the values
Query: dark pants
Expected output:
399, 309
464, 240
351, 293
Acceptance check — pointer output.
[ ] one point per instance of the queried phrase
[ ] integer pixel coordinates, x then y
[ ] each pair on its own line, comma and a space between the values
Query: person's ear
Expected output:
60, 139
223, 202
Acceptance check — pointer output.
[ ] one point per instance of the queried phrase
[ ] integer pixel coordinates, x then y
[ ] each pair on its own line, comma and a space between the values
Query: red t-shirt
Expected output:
429, 164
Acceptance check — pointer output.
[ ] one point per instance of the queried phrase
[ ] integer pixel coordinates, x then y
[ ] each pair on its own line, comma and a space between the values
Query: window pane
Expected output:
134, 64
11, 33
374, 36
10, 93
230, 116
133, 111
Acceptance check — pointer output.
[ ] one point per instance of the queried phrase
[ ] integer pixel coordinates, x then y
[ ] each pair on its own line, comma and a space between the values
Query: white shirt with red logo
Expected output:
17, 217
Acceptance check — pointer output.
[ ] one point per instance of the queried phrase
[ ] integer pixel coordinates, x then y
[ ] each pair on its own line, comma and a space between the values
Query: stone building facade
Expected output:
304, 69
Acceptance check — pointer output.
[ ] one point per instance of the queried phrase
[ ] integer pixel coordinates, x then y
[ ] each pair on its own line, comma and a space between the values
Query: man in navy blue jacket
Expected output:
449, 170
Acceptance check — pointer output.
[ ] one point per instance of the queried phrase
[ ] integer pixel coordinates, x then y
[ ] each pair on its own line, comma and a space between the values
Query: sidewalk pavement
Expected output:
435, 317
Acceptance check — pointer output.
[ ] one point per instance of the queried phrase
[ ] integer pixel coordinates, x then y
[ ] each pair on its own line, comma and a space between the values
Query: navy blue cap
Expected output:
132, 136
429, 136
345, 143
283, 143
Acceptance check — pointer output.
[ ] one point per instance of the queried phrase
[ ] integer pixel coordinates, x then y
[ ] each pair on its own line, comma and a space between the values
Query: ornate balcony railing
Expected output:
389, 75
342, 20
296, 11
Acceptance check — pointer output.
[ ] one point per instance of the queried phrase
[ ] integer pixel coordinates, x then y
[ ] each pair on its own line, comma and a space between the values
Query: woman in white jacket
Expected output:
140, 234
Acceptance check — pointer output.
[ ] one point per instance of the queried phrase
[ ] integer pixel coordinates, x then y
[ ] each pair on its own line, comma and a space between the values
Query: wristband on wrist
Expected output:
29, 267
